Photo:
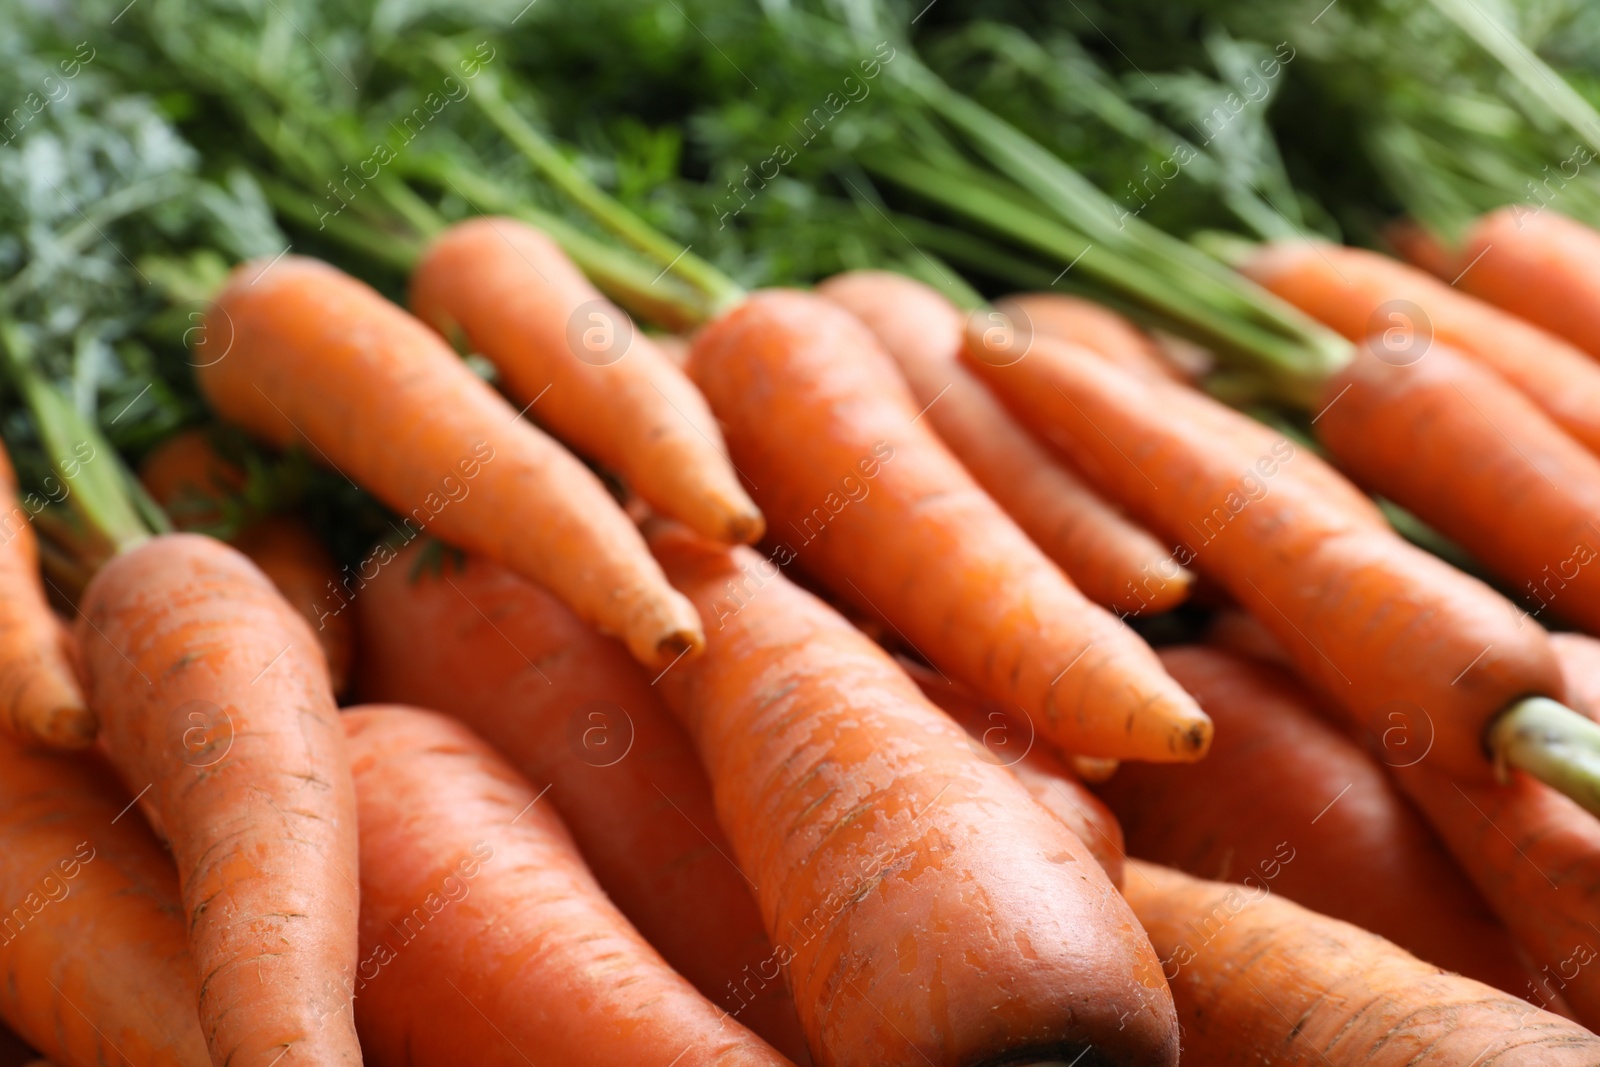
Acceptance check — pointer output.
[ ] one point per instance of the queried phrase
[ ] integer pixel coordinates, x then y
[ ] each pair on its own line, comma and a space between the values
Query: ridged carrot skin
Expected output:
485, 940
93, 968
873, 504
39, 693
216, 709
1113, 561
525, 306
1361, 293
1378, 626
1258, 979
924, 907
1287, 802
1446, 438
569, 709
1095, 327
298, 352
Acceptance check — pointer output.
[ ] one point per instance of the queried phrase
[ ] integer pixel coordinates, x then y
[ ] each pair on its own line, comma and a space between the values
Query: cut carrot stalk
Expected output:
1258, 979
297, 352
1095, 327
868, 824
586, 372
570, 709
1113, 561
484, 938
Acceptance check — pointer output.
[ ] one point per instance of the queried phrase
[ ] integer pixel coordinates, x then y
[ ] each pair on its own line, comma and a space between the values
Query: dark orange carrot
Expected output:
1379, 626
1286, 802
1095, 327
484, 938
1579, 655
873, 503
1361, 294
38, 690
569, 708
588, 374
296, 351
92, 941
216, 709
1258, 979
923, 907
1112, 560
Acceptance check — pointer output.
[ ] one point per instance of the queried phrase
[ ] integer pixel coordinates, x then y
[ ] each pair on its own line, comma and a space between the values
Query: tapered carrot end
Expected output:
59, 726
746, 527
1093, 768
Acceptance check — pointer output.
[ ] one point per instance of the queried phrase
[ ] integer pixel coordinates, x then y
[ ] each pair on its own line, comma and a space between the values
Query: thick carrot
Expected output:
612, 394
187, 477
92, 942
485, 940
924, 908
1112, 560
1286, 802
1258, 979
216, 708
38, 690
569, 708
1379, 626
1580, 666
296, 351
1094, 326
879, 509
1480, 463
1361, 293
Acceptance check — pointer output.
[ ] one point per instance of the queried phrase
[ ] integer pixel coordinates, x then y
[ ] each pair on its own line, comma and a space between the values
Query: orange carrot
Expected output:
1258, 979
612, 394
296, 351
1113, 561
1287, 803
38, 690
569, 708
1379, 626
484, 938
882, 512
1580, 666
1361, 294
1095, 327
923, 907
216, 709
92, 938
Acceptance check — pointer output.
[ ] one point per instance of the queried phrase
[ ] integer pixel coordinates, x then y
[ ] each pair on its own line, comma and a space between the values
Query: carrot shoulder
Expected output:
590, 376
484, 939
296, 351
217, 711
1095, 327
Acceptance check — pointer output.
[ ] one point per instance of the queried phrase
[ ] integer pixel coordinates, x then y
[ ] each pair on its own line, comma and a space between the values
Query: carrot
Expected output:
1114, 562
1287, 803
1361, 293
1002, 736
1095, 327
1258, 979
882, 512
1377, 625
92, 941
38, 690
569, 708
187, 477
484, 938
216, 709
923, 907
1579, 655
612, 393
294, 350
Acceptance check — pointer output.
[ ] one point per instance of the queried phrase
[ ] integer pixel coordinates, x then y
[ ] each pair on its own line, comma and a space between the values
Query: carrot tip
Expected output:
67, 726
746, 528
674, 645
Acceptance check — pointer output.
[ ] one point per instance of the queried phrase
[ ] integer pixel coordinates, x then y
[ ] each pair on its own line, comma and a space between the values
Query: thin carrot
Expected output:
92, 938
923, 907
1095, 327
1258, 979
1286, 802
485, 940
568, 707
880, 510
216, 708
1361, 293
1113, 561
296, 351
1379, 626
611, 392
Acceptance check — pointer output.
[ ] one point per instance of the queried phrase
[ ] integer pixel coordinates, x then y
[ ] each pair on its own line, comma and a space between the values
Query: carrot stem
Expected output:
1552, 743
